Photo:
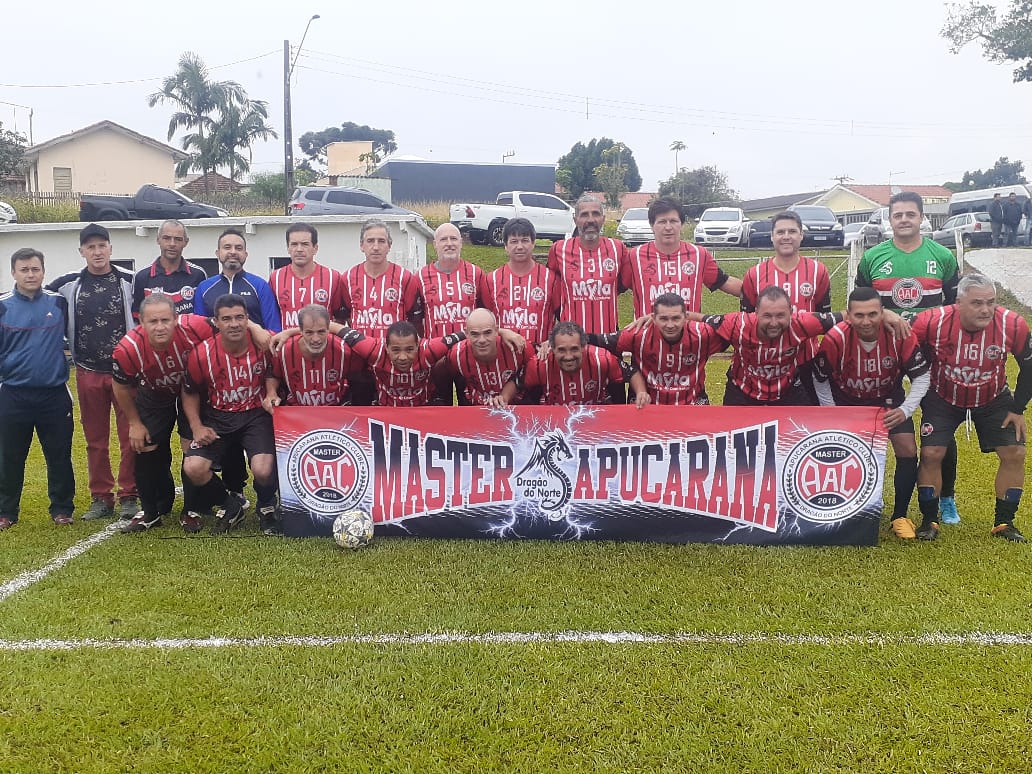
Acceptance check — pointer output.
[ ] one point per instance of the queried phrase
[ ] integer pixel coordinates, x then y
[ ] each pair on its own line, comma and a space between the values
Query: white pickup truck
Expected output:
551, 216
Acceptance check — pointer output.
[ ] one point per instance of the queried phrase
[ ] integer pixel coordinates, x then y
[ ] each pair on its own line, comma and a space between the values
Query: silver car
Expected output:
878, 228
7, 213
851, 232
634, 228
975, 229
311, 200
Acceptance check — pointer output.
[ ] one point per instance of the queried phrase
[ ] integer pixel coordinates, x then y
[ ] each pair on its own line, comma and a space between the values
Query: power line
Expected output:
846, 125
637, 115
121, 83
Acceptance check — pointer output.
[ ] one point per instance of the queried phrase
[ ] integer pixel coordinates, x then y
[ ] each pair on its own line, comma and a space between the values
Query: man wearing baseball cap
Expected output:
99, 314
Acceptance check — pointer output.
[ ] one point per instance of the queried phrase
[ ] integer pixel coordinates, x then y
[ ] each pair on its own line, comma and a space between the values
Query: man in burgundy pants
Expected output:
99, 314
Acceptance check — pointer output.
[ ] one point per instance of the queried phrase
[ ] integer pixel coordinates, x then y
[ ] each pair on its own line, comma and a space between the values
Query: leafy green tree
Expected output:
272, 186
611, 173
200, 102
576, 170
1005, 38
12, 148
1003, 172
699, 188
313, 144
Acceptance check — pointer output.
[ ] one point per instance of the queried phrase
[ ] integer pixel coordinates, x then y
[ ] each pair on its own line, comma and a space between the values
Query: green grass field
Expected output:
170, 653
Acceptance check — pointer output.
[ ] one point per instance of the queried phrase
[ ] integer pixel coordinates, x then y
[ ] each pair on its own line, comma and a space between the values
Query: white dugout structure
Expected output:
134, 243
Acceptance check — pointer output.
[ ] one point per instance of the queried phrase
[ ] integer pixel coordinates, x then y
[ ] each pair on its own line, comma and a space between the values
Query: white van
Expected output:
979, 201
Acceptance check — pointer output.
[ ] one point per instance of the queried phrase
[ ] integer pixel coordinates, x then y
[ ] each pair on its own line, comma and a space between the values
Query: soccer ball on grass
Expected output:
353, 529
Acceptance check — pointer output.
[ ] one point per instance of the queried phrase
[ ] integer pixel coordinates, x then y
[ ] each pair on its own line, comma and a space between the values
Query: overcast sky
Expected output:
781, 96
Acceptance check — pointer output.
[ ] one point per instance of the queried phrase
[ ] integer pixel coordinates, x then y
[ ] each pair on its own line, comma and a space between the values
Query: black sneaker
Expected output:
1008, 531
268, 520
929, 531
230, 514
141, 522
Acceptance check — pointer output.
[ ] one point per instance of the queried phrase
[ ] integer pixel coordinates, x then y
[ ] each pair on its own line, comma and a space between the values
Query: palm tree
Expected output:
240, 127
198, 100
675, 146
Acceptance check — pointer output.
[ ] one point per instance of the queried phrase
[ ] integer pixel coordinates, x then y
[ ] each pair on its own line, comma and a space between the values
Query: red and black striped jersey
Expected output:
969, 369
867, 373
588, 385
374, 304
525, 304
321, 381
449, 297
650, 273
136, 362
675, 374
486, 380
231, 382
396, 388
762, 368
322, 287
808, 285
589, 282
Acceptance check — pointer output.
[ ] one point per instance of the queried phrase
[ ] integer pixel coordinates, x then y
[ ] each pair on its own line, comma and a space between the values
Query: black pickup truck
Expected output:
150, 203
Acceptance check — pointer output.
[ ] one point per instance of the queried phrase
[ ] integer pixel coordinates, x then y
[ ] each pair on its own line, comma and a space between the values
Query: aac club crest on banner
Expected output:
665, 473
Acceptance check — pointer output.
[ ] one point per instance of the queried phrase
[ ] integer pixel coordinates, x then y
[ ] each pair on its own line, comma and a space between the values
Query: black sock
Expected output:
213, 493
1005, 512
928, 501
949, 470
904, 480
266, 494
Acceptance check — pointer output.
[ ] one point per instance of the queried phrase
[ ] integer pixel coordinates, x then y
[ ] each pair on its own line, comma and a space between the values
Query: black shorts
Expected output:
252, 429
795, 395
940, 421
159, 417
893, 401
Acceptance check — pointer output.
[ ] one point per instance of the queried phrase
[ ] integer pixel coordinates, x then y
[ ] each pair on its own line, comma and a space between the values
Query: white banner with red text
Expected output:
673, 474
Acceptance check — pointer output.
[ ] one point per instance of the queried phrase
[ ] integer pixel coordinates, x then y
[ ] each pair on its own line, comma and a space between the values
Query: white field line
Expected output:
980, 639
26, 579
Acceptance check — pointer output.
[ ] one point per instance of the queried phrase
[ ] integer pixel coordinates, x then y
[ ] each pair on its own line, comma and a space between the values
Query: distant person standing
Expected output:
1012, 212
996, 218
34, 375
170, 273
1026, 210
99, 314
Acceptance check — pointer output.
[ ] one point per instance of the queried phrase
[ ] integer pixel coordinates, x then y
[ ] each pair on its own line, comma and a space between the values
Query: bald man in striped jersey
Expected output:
450, 288
488, 365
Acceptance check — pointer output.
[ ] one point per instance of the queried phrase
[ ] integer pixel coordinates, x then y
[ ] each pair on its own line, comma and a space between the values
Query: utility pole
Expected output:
288, 135
288, 132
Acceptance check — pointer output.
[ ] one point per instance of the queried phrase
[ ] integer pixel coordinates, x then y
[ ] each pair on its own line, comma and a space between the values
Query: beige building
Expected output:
856, 203
349, 159
103, 158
